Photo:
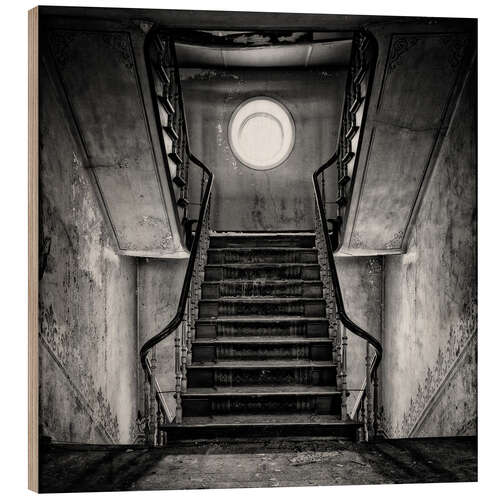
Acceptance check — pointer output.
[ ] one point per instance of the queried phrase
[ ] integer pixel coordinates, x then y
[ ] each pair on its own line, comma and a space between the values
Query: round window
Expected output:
261, 133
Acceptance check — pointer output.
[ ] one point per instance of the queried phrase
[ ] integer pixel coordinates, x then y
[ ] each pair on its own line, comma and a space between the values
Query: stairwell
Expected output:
262, 361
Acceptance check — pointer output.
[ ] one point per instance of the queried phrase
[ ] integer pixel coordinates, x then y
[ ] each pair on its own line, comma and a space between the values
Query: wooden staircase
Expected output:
262, 362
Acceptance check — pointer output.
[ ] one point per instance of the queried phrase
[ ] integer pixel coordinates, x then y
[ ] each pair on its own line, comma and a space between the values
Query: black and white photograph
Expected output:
253, 249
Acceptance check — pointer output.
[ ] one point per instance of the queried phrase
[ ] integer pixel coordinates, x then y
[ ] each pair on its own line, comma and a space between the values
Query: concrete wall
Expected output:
159, 287
88, 339
276, 199
430, 336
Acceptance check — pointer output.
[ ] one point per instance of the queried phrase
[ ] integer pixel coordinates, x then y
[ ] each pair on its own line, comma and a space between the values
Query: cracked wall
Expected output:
87, 303
430, 336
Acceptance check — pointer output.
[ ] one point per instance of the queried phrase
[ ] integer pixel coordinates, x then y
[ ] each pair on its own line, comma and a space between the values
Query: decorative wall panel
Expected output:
406, 122
108, 102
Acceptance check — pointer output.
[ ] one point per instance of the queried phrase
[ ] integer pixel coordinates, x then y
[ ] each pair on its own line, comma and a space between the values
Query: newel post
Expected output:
152, 399
344, 373
147, 434
178, 376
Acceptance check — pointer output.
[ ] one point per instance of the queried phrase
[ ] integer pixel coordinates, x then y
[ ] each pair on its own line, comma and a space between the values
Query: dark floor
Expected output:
260, 463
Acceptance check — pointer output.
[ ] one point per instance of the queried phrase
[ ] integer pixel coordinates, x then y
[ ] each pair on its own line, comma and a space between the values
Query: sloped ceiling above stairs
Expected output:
100, 67
417, 79
101, 70
331, 53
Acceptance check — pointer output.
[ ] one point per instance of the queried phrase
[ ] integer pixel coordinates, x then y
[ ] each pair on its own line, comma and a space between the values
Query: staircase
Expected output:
262, 362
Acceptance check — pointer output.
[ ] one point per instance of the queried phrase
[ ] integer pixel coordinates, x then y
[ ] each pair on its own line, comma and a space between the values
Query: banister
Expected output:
342, 315
183, 299
339, 301
177, 319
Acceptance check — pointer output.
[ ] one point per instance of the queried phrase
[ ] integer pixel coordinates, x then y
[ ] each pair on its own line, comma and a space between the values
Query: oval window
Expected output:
261, 133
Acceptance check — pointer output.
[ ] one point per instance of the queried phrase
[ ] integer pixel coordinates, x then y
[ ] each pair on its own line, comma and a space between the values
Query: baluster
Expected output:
184, 354
183, 154
375, 404
152, 398
344, 372
368, 394
323, 197
158, 422
190, 330
146, 408
186, 171
164, 433
202, 188
178, 377
363, 417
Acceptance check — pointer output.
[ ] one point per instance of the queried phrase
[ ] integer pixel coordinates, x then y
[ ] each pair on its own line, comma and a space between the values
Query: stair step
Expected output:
261, 400
261, 372
261, 390
252, 288
260, 340
261, 425
261, 326
220, 272
260, 364
239, 240
262, 255
230, 306
256, 348
262, 357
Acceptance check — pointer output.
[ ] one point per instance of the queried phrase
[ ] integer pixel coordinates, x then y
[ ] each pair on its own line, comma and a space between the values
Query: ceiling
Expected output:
264, 50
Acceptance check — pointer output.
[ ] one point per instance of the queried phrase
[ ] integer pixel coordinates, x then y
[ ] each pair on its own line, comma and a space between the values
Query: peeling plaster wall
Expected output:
87, 304
159, 288
430, 362
276, 199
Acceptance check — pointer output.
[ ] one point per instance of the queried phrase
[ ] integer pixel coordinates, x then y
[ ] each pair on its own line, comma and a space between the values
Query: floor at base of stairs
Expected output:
258, 463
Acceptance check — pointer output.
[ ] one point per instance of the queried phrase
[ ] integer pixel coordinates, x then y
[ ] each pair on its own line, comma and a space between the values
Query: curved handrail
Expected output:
181, 308
341, 313
179, 315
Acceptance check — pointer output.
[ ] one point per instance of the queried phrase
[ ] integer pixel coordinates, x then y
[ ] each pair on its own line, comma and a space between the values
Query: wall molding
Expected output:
428, 393
108, 434
438, 393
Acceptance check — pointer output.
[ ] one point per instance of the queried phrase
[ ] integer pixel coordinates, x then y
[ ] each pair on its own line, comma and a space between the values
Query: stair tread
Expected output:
269, 265
263, 319
264, 363
264, 298
263, 249
262, 340
261, 390
263, 281
262, 419
245, 265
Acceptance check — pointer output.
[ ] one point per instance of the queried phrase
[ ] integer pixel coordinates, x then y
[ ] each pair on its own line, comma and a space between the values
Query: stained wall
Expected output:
430, 315
87, 302
277, 199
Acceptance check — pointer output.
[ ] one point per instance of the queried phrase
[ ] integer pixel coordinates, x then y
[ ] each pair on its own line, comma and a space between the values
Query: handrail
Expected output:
341, 312
177, 319
339, 301
181, 308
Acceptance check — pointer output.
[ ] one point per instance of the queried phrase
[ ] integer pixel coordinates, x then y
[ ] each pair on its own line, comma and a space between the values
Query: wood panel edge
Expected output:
33, 159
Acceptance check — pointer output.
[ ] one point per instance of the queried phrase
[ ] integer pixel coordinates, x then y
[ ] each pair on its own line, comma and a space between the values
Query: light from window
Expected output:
261, 133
